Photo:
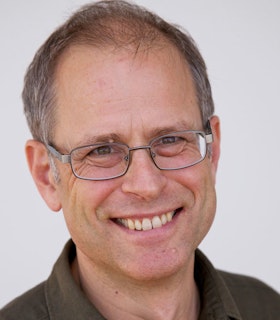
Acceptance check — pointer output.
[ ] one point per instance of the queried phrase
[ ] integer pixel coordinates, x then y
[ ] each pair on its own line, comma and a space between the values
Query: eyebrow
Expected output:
96, 139
178, 126
153, 133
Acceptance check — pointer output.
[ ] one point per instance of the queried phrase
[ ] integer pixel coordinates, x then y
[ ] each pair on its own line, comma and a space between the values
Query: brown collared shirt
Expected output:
224, 296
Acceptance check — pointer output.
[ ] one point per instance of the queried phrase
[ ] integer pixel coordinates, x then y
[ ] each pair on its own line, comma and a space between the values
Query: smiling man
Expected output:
126, 143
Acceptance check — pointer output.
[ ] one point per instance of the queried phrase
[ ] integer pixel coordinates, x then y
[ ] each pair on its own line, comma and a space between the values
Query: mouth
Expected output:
146, 224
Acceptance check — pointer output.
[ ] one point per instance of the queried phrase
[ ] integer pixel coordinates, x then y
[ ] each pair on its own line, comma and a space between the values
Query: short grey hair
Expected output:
114, 23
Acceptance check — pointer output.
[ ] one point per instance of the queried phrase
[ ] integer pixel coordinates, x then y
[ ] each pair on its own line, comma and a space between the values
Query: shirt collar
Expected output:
65, 299
216, 300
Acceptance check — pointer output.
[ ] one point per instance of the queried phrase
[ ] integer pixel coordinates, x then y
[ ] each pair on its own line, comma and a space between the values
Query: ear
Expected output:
39, 166
215, 126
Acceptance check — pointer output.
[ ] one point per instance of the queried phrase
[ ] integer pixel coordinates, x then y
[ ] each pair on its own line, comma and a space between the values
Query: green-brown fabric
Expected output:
223, 296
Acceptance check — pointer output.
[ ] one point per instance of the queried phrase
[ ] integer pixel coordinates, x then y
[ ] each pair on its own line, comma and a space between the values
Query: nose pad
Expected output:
153, 154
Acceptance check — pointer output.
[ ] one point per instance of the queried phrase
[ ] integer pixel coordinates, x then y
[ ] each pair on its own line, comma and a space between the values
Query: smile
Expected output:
148, 223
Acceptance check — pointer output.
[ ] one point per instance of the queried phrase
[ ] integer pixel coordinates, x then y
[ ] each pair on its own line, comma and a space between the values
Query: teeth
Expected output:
146, 223
169, 216
163, 219
138, 225
130, 224
156, 222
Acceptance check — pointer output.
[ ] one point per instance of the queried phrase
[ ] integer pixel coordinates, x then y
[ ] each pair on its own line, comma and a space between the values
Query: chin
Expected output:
157, 266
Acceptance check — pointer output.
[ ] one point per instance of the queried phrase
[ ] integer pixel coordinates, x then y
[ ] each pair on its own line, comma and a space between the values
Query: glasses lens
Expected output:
101, 161
179, 150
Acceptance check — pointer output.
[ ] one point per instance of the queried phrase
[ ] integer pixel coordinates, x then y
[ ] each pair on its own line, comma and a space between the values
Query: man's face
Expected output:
104, 96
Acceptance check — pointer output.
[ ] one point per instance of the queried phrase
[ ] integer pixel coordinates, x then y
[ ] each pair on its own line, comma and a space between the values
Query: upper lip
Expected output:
145, 215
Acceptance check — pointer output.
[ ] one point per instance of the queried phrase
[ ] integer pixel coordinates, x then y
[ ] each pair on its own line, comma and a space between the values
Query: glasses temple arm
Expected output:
208, 133
64, 158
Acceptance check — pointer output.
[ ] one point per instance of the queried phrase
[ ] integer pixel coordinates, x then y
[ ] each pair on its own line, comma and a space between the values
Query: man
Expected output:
126, 143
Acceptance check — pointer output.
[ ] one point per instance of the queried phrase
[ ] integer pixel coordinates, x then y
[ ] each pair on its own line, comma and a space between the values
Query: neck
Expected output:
174, 297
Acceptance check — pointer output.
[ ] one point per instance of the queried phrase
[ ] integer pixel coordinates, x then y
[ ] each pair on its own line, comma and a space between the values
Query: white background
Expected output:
240, 41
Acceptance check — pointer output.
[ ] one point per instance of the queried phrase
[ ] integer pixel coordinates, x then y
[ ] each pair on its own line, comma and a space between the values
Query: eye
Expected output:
102, 150
169, 140
92, 152
106, 150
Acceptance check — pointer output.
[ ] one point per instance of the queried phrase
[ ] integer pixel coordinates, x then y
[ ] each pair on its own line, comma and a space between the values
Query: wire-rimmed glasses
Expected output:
103, 161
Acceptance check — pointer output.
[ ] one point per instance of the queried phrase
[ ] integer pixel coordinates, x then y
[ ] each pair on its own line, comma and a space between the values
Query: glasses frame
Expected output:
66, 158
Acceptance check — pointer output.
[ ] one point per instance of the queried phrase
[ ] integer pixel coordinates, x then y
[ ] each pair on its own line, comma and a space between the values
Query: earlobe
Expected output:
215, 126
39, 166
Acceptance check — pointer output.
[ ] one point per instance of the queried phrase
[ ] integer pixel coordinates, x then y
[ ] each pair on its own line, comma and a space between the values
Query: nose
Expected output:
143, 179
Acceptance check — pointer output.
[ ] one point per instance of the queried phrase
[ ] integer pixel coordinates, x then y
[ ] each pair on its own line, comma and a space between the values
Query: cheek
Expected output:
81, 198
200, 182
205, 199
205, 193
193, 179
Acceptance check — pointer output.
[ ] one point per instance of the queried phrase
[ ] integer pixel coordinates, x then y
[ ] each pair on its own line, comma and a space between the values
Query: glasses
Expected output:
104, 161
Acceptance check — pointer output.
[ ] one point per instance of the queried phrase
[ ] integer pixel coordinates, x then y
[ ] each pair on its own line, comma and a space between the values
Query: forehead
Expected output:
102, 89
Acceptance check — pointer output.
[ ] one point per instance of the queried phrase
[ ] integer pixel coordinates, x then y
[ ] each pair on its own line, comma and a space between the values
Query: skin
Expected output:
130, 274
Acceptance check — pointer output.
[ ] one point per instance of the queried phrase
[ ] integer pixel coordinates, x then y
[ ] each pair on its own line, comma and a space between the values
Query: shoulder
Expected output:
239, 296
31, 305
252, 296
